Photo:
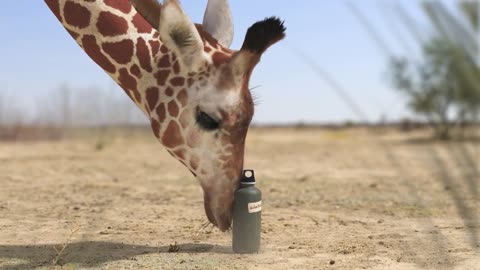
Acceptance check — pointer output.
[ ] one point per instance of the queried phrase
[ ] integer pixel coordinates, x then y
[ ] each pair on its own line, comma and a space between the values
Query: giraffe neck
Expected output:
125, 45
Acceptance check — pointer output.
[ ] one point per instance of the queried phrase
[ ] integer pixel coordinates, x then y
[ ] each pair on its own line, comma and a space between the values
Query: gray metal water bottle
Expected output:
247, 212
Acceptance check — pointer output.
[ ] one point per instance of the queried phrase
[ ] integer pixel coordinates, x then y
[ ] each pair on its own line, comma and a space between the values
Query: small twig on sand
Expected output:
314, 220
174, 248
60, 251
204, 226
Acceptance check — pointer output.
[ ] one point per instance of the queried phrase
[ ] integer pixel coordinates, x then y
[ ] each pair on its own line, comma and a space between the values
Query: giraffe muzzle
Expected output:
218, 208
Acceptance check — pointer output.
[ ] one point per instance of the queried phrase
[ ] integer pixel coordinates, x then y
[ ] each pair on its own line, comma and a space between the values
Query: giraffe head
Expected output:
208, 108
191, 86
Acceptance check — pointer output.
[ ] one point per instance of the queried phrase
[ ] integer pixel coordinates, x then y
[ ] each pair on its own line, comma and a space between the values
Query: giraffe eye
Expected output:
206, 122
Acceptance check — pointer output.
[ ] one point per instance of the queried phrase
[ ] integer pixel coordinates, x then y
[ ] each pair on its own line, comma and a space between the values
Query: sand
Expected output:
332, 199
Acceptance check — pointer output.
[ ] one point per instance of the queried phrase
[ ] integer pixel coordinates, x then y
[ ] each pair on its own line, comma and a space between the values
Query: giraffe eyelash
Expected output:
206, 122
255, 96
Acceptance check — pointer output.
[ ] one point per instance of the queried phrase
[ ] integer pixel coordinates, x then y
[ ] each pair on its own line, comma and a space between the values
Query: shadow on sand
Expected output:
90, 254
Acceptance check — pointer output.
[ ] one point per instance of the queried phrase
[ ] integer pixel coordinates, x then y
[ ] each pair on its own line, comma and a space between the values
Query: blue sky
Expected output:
38, 55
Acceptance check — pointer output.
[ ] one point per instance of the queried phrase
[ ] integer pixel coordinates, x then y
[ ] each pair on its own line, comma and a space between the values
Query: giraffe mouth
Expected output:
219, 210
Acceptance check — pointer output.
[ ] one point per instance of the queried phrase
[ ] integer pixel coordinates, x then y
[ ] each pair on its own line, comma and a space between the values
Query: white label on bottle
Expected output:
255, 207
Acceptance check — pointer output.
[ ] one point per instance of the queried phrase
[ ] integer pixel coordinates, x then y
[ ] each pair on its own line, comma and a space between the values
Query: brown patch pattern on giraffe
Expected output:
163, 49
155, 45
91, 47
123, 6
155, 127
110, 25
135, 70
169, 92
176, 67
129, 82
76, 14
121, 52
177, 81
161, 113
172, 137
182, 97
164, 61
162, 76
143, 55
141, 24
173, 109
152, 94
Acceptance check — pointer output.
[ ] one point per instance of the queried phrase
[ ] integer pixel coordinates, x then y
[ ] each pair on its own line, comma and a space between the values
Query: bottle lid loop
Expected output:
248, 177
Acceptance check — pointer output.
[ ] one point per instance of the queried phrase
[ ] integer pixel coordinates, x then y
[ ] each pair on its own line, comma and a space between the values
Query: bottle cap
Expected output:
248, 177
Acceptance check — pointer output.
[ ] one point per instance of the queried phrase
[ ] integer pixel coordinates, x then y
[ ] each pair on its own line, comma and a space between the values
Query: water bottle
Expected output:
247, 210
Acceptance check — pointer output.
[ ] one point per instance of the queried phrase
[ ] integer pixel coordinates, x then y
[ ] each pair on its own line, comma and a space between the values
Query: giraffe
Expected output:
183, 76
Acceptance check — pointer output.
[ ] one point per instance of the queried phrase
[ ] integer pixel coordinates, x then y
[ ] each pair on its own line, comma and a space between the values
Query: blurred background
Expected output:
373, 62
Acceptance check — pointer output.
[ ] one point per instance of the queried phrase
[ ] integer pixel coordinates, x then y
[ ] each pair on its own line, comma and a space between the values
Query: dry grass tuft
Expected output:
61, 250
174, 248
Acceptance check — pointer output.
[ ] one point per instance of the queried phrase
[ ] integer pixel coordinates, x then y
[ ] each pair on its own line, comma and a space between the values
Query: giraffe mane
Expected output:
149, 9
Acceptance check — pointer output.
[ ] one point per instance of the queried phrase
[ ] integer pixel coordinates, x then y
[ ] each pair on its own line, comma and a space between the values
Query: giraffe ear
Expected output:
218, 21
179, 34
259, 37
263, 34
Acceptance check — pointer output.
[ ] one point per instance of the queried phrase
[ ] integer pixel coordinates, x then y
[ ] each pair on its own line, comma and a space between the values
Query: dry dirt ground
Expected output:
333, 199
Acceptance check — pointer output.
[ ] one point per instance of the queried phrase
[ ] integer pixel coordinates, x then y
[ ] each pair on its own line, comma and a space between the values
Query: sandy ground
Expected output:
332, 200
